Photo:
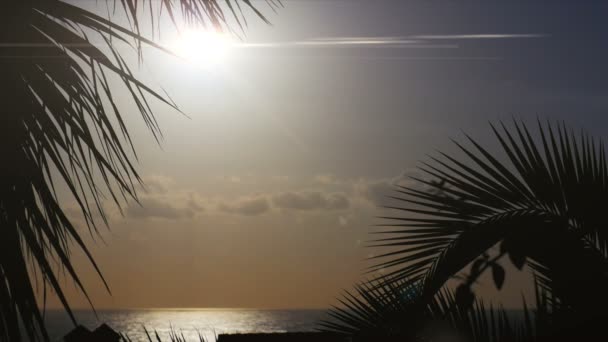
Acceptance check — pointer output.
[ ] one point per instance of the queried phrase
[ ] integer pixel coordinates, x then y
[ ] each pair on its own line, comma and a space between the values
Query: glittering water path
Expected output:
188, 321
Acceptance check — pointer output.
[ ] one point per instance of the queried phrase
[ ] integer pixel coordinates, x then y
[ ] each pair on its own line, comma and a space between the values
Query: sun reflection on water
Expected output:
190, 322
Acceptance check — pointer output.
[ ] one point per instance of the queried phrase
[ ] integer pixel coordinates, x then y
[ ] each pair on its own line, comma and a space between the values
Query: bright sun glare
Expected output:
202, 47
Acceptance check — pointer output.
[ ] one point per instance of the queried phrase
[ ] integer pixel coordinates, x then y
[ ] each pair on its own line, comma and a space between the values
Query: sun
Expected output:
202, 47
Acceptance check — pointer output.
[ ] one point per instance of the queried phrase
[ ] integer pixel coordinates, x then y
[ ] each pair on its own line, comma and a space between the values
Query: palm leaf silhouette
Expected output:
378, 308
60, 123
542, 206
385, 310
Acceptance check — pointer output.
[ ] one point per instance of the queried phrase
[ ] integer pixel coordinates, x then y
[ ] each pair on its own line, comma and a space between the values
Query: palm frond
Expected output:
385, 310
548, 188
61, 124
541, 204
378, 308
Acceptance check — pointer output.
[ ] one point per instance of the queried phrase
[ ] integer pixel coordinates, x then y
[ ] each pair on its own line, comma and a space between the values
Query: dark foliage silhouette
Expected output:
541, 206
60, 124
382, 310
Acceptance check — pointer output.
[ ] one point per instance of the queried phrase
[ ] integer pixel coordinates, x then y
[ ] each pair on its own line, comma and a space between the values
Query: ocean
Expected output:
209, 322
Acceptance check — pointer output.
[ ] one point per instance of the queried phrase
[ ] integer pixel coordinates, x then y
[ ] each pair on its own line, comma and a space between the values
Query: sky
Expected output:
264, 194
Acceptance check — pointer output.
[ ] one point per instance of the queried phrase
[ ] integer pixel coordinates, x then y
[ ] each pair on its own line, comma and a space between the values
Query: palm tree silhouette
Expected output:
542, 206
60, 124
387, 310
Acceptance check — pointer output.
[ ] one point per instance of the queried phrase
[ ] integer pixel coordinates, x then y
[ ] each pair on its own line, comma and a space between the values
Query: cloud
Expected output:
295, 200
379, 191
158, 184
324, 179
231, 179
162, 200
74, 213
248, 206
195, 202
311, 200
151, 207
343, 221
323, 193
